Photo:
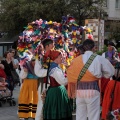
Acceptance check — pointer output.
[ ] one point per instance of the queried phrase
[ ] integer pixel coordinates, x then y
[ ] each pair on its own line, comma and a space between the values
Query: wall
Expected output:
113, 12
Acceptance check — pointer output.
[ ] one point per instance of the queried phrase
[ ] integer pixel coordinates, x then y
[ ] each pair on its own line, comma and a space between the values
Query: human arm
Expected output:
101, 67
59, 76
23, 73
39, 71
116, 57
103, 55
15, 63
2, 66
107, 68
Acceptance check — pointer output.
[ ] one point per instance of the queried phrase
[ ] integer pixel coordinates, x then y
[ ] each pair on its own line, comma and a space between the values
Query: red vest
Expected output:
53, 82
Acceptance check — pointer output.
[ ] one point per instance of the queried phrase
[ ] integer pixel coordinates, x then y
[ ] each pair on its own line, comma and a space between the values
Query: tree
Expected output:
114, 30
15, 14
84, 9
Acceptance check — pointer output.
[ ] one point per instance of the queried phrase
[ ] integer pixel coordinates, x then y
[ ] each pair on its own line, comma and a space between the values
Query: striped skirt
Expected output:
28, 99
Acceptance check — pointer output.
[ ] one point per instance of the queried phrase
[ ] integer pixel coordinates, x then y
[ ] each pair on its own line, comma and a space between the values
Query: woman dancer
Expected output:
28, 97
57, 105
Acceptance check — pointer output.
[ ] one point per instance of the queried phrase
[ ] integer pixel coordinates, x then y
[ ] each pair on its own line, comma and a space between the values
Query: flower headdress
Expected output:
63, 34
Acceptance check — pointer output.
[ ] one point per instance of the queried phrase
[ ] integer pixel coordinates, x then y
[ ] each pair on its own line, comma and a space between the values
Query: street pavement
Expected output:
8, 112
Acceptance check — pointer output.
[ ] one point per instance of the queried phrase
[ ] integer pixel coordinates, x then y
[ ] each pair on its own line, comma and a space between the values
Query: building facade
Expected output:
112, 7
6, 44
112, 23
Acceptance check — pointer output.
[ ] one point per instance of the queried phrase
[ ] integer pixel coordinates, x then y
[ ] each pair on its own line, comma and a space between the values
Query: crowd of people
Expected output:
48, 82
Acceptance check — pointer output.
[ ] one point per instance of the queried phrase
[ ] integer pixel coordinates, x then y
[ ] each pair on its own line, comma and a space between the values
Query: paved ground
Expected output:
8, 112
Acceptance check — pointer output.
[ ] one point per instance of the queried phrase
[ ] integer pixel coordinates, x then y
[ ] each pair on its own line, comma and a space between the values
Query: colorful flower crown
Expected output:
64, 34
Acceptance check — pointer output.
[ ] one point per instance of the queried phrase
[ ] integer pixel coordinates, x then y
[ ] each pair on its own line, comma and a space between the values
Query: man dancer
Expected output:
48, 44
87, 89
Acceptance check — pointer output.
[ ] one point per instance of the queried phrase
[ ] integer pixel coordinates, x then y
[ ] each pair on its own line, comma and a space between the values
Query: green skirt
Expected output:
57, 104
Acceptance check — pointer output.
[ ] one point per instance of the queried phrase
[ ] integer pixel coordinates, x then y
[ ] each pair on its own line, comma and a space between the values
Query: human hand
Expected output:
12, 59
43, 95
2, 66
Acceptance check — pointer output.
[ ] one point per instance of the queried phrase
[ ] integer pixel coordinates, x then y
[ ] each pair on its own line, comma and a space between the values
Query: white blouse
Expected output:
23, 74
55, 73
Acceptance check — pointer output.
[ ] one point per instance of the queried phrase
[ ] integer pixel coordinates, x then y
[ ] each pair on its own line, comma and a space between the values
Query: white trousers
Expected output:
39, 112
88, 106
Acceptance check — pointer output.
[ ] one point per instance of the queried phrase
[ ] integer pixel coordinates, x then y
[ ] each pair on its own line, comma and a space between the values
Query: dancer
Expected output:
57, 105
28, 97
87, 89
48, 44
113, 57
111, 99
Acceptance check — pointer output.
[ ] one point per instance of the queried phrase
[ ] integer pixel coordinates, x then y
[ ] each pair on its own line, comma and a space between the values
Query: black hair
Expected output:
111, 43
117, 67
47, 42
5, 54
11, 50
88, 44
80, 48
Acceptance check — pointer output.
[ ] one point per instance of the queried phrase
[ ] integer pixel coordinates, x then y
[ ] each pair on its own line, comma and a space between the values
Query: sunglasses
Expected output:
12, 52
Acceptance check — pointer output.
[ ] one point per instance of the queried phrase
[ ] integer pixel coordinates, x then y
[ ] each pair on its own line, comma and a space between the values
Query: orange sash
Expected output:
73, 73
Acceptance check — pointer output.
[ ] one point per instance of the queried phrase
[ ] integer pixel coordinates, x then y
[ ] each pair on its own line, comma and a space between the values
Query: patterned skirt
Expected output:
28, 99
57, 104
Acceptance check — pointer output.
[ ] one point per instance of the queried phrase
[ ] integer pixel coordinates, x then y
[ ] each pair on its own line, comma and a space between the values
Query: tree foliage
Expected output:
114, 30
15, 14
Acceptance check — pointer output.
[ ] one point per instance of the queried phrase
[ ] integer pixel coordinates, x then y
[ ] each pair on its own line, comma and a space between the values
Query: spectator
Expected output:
111, 54
8, 66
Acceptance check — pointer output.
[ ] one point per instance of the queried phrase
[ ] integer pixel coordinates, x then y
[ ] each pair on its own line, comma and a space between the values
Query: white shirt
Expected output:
103, 55
23, 74
100, 67
55, 73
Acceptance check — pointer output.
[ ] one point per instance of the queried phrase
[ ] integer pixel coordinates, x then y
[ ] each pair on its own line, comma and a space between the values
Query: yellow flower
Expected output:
50, 22
29, 27
89, 30
74, 40
63, 67
74, 33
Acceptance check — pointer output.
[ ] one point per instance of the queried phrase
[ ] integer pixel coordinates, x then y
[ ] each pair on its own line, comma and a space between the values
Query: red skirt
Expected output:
104, 82
107, 98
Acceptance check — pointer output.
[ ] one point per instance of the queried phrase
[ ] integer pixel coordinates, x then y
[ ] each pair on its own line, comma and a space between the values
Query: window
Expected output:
117, 4
1, 51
